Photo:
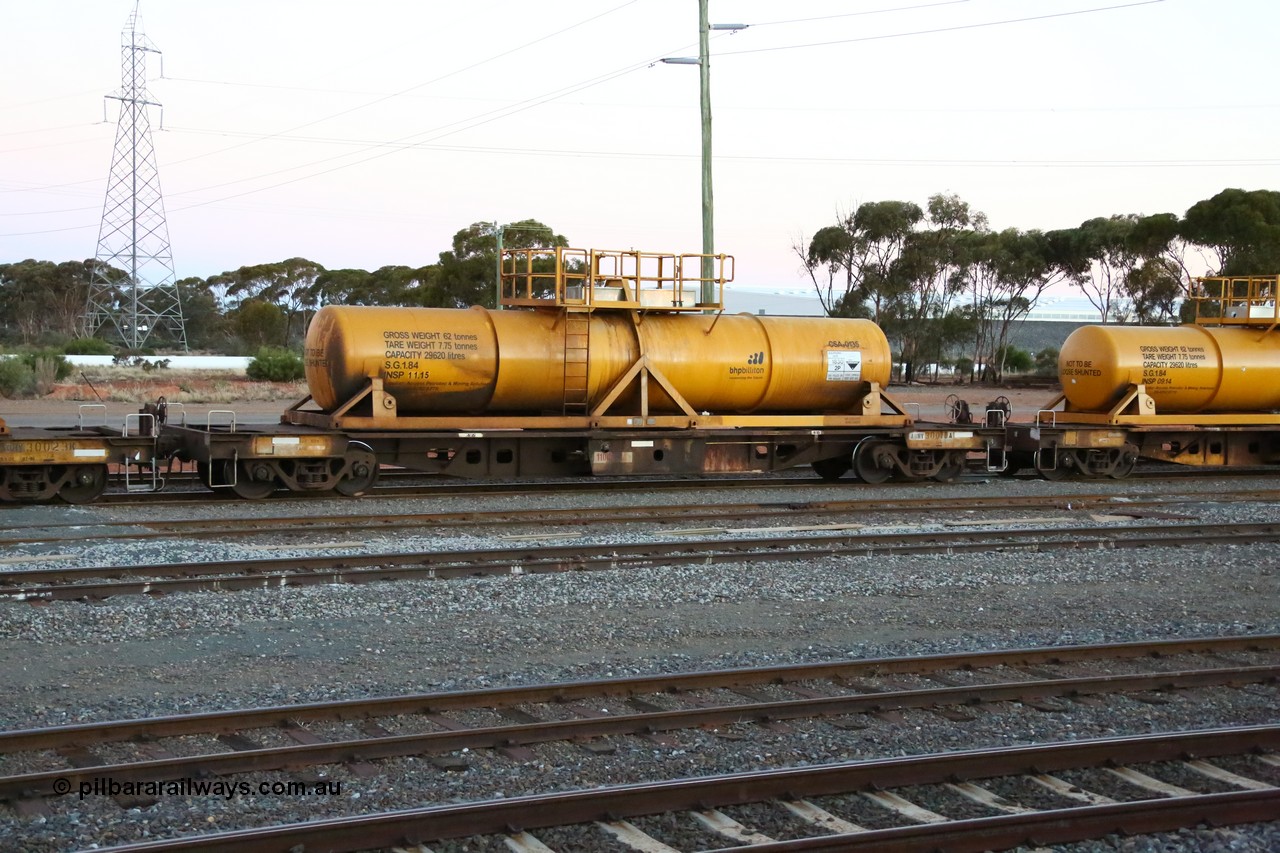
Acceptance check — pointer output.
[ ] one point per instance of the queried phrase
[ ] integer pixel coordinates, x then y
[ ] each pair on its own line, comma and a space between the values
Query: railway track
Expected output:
88, 582
192, 492
593, 714
803, 807
783, 802
1137, 505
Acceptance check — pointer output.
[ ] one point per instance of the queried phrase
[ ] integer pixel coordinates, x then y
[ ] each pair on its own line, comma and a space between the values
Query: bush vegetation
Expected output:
275, 364
88, 346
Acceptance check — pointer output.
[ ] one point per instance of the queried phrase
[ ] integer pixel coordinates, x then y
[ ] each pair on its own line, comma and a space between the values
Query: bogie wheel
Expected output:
362, 473
953, 467
834, 468
29, 483
245, 487
1128, 461
86, 484
867, 465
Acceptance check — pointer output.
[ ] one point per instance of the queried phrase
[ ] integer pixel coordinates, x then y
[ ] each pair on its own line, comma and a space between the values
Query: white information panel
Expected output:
844, 365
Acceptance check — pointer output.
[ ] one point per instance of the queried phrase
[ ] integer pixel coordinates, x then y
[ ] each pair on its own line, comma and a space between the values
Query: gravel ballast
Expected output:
132, 657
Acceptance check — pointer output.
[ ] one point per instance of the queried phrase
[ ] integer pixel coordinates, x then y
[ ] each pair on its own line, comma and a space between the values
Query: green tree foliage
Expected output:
258, 324
88, 346
926, 279
47, 362
1014, 360
1152, 291
275, 364
857, 256
901, 266
1242, 227
466, 275
1006, 273
206, 323
1098, 256
41, 299
1047, 361
32, 372
344, 287
287, 284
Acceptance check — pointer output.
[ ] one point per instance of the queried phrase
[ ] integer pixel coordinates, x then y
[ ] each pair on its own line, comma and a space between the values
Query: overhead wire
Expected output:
950, 29
530, 103
493, 115
378, 100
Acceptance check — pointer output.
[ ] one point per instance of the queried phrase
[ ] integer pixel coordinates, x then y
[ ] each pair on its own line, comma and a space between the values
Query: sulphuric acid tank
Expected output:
1186, 369
469, 361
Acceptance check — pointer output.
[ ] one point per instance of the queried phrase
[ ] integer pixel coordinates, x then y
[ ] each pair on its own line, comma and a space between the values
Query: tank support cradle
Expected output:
1137, 408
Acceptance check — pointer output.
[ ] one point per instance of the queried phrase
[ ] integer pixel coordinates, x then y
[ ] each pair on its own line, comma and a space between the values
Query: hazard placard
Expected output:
844, 365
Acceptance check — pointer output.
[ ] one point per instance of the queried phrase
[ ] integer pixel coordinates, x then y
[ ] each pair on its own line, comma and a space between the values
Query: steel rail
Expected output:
1036, 829
577, 516
646, 722
81, 734
461, 488
68, 583
493, 817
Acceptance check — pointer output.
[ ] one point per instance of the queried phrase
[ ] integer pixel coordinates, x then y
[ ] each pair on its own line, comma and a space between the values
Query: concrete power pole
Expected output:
133, 295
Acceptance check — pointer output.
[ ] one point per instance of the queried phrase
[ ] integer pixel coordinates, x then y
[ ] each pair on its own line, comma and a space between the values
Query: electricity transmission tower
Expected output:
133, 295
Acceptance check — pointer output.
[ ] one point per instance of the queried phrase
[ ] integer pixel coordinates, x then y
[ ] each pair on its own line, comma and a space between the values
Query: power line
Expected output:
858, 14
485, 118
378, 100
951, 29
416, 86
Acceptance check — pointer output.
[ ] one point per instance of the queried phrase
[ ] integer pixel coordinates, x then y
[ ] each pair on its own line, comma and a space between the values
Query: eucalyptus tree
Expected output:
465, 275
858, 255
1096, 258
1153, 291
41, 297
1006, 274
287, 284
1241, 227
927, 276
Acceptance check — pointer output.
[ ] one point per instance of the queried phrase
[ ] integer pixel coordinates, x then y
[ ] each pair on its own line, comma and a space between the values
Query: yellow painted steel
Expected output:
49, 450
1249, 300
439, 360
1186, 369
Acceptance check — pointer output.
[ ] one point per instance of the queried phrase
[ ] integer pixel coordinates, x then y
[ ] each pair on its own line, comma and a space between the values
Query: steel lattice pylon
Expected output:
133, 295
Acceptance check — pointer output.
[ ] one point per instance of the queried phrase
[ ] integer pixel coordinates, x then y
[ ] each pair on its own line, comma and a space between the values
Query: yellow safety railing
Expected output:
612, 279
1236, 300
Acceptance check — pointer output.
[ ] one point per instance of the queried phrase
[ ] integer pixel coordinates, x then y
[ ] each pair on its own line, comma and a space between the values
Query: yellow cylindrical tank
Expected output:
442, 361
1185, 369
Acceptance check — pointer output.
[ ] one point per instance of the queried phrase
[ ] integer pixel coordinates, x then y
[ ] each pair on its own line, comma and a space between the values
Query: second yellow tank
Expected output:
1185, 369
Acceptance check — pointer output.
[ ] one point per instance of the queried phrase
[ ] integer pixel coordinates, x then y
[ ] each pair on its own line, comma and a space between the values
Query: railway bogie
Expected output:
74, 464
254, 461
